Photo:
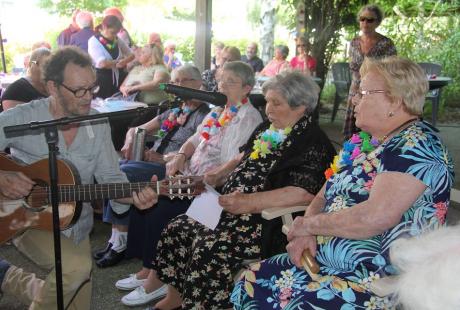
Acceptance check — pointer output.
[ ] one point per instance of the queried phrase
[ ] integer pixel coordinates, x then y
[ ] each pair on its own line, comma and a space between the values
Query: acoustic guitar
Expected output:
35, 211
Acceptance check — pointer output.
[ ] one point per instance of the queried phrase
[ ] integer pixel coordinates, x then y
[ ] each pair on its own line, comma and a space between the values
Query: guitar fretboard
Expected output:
88, 192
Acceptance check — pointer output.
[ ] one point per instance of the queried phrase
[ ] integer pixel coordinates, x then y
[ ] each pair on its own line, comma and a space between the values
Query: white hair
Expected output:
429, 265
84, 19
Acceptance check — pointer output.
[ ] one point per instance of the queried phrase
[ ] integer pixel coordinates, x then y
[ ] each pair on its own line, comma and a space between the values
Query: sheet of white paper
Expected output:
205, 208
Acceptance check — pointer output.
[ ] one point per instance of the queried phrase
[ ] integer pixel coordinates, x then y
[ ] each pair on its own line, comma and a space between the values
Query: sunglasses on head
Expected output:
367, 19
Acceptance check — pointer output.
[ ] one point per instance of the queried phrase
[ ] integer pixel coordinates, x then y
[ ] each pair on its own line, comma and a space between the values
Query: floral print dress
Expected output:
201, 263
349, 266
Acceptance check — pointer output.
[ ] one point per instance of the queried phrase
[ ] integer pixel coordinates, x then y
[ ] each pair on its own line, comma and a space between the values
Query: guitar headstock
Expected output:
182, 186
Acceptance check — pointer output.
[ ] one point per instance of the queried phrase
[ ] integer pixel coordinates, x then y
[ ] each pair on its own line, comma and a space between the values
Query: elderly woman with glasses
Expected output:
391, 180
280, 165
216, 141
369, 44
30, 87
131, 232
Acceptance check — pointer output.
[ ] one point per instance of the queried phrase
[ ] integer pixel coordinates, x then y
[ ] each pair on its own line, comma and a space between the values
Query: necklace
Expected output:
358, 145
269, 141
216, 122
171, 121
107, 43
400, 127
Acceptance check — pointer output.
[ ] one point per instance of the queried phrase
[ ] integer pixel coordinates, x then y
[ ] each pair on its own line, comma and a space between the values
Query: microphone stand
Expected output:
51, 133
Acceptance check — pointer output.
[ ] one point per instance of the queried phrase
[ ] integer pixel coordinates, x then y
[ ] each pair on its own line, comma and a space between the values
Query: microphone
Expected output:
215, 98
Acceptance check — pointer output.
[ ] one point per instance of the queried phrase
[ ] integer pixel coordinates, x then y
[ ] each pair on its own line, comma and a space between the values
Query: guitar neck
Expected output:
88, 192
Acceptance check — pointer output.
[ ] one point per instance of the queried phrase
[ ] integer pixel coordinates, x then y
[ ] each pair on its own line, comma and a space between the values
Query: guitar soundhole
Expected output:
39, 195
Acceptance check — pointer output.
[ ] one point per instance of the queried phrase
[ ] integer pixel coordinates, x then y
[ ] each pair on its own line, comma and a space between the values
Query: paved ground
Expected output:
106, 296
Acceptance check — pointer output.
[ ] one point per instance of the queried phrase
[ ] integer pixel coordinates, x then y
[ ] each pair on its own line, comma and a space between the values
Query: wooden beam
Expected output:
203, 34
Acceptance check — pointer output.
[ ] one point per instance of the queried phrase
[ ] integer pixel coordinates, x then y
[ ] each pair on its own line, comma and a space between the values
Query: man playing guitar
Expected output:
71, 82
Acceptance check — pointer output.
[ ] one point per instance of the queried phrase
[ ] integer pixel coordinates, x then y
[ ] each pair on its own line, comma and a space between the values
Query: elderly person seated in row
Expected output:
280, 165
30, 87
172, 128
278, 63
145, 78
170, 58
216, 142
391, 180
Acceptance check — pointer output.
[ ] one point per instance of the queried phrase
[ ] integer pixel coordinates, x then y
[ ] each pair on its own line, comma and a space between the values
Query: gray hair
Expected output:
190, 70
241, 70
283, 49
84, 19
39, 53
297, 88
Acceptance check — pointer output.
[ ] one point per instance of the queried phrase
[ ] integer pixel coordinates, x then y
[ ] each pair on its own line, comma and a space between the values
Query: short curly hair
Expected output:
54, 66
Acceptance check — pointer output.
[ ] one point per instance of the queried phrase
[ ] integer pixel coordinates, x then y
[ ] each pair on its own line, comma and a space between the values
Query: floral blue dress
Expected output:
349, 266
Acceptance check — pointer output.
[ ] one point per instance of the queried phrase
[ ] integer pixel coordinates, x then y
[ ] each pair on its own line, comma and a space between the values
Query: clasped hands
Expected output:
300, 240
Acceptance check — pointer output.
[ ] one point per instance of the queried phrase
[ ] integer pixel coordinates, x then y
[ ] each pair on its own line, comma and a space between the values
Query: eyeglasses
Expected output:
301, 45
368, 20
177, 82
228, 83
362, 93
81, 92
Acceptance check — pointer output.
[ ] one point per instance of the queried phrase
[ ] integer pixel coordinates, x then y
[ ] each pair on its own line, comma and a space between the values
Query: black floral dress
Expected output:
201, 263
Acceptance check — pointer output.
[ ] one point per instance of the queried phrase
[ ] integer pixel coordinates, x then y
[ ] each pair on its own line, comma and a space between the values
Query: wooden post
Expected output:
203, 34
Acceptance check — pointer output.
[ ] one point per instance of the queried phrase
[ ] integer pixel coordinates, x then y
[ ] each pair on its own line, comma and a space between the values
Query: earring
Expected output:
390, 114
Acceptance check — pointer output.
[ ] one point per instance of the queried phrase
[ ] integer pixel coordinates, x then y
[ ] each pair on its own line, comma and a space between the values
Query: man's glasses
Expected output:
81, 92
367, 20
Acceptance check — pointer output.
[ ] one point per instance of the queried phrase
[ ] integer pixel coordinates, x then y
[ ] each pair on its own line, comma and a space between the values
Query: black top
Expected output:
256, 63
300, 161
21, 90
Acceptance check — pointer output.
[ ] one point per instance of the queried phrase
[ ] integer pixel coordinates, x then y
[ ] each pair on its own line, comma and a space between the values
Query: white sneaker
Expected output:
129, 283
140, 297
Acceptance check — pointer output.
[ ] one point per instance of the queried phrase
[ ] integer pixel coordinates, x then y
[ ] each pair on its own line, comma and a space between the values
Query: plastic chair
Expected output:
433, 95
342, 82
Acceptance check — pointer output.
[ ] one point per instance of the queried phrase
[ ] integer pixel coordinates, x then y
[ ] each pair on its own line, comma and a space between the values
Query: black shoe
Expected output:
101, 252
111, 258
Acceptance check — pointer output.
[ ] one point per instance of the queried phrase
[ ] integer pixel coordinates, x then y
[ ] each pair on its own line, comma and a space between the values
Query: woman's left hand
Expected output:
236, 203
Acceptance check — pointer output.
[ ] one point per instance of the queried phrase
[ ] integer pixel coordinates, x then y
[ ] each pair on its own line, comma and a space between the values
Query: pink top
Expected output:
274, 67
297, 63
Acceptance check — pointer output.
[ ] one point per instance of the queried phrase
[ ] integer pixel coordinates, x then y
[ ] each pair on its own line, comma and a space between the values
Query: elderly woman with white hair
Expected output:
390, 180
280, 165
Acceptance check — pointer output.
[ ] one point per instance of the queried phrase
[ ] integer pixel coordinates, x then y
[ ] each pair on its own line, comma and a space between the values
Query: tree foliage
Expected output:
67, 7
